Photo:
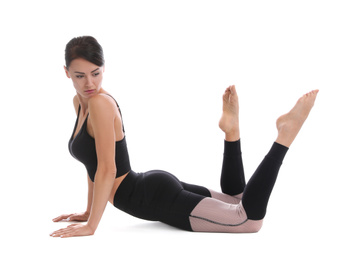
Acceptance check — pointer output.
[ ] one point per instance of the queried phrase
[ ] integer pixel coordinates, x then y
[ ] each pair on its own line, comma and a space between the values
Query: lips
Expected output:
90, 91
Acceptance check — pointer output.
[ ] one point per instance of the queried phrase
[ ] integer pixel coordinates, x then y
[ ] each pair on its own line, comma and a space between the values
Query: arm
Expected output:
102, 113
81, 217
90, 183
90, 194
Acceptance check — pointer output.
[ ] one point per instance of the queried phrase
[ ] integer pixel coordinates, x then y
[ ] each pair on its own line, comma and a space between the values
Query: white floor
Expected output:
136, 239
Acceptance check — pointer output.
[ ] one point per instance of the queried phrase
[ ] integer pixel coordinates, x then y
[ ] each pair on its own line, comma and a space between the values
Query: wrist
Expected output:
92, 228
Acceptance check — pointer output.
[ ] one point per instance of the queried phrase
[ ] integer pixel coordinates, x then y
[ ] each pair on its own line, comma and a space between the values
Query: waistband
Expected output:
126, 187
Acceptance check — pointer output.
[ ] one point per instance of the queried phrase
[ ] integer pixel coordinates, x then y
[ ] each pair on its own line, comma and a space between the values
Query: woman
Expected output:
98, 141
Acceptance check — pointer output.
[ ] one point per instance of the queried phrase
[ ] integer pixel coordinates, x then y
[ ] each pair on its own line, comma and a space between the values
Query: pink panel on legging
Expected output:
212, 215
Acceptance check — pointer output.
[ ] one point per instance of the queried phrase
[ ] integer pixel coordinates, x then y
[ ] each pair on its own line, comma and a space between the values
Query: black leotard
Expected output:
153, 195
82, 147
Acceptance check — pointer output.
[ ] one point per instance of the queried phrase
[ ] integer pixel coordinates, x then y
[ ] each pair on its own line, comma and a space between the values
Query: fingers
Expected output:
72, 218
79, 217
64, 232
73, 230
62, 217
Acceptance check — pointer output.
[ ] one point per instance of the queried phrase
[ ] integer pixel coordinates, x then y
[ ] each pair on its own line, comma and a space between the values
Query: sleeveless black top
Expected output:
82, 147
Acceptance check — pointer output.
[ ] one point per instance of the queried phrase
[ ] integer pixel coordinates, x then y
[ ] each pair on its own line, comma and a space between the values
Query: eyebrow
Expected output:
84, 73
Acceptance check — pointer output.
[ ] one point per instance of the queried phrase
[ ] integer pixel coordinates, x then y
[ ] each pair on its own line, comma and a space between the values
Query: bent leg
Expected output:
216, 216
212, 215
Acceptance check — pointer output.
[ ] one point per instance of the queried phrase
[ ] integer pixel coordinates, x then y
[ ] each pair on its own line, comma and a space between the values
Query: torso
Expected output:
118, 133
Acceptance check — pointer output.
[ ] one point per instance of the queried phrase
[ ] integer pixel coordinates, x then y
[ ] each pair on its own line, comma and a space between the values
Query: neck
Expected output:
83, 102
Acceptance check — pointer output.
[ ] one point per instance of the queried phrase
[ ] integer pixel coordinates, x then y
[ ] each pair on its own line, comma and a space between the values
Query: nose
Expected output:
89, 82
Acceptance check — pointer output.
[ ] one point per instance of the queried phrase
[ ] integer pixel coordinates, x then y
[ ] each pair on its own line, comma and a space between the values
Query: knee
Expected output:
253, 226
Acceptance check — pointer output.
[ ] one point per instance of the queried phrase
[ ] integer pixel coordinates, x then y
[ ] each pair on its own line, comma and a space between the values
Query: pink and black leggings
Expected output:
159, 196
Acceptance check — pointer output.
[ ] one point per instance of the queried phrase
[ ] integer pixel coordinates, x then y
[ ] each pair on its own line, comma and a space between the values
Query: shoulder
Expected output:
102, 104
76, 103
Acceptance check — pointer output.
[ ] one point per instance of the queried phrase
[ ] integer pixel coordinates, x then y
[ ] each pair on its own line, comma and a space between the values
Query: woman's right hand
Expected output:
79, 217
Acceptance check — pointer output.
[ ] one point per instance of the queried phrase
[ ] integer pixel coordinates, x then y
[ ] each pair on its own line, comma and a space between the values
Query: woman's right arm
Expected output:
81, 217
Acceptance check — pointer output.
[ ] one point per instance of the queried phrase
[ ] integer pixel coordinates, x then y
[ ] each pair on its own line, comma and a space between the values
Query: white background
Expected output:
167, 64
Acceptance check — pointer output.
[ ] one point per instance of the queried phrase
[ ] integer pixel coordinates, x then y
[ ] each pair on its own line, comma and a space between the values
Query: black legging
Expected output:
159, 196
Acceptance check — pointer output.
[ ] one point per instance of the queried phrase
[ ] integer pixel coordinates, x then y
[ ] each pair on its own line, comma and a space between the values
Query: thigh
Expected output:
168, 199
212, 215
158, 196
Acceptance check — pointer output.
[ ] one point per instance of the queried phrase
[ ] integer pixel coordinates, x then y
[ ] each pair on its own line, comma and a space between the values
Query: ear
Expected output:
103, 68
67, 72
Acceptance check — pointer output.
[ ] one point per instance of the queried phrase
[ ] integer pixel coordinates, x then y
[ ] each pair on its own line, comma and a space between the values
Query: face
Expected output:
86, 77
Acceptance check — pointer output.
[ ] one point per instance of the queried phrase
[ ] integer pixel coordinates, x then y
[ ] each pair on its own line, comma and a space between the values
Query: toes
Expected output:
232, 88
227, 93
313, 92
230, 91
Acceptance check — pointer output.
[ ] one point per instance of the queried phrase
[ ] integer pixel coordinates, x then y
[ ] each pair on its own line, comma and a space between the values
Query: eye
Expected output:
79, 76
96, 74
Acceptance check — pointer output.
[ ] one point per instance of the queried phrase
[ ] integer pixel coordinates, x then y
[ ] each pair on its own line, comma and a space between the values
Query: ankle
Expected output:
233, 135
284, 140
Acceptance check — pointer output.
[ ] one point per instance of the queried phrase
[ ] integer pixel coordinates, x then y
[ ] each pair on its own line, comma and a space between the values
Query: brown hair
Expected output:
85, 47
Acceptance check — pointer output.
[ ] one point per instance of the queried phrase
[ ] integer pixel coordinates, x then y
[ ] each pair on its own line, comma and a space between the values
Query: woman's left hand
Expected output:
73, 231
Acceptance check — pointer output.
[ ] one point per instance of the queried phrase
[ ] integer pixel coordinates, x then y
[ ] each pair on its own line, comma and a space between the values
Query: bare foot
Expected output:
288, 125
229, 122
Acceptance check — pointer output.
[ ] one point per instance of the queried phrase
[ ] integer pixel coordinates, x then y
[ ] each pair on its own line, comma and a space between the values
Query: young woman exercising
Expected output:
99, 142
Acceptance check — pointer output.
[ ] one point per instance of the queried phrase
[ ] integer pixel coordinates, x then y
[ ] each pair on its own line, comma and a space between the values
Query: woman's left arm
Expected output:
102, 115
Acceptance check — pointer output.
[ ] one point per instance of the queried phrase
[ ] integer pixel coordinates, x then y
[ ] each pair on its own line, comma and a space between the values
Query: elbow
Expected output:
106, 173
